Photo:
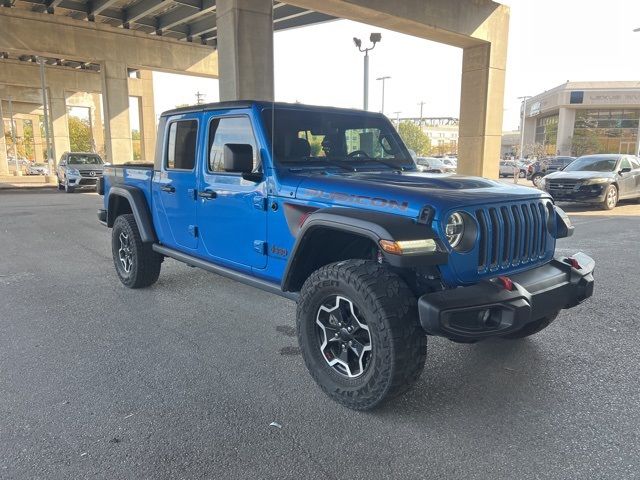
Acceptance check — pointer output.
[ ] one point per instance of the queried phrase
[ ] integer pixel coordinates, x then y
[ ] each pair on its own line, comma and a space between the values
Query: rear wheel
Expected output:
532, 328
137, 265
359, 334
610, 198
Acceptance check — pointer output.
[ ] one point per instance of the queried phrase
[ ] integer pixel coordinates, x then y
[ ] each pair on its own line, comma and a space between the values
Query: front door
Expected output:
175, 185
232, 213
628, 179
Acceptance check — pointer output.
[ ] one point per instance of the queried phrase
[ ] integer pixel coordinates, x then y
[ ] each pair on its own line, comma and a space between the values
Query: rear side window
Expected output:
229, 130
181, 145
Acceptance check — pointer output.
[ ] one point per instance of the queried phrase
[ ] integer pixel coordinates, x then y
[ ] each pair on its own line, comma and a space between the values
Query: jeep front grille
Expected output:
511, 235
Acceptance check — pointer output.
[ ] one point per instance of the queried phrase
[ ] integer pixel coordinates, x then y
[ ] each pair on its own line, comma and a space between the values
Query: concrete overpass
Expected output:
233, 40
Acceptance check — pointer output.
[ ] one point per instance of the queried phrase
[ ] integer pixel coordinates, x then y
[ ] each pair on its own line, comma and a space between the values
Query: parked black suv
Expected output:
539, 169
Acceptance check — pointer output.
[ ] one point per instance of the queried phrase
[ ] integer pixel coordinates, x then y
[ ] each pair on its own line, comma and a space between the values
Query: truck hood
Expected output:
579, 175
406, 193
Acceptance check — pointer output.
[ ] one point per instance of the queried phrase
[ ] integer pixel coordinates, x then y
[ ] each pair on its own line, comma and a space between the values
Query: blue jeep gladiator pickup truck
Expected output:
325, 206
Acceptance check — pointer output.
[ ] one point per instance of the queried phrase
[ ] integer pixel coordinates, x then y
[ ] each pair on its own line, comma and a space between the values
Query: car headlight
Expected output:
73, 171
595, 181
454, 229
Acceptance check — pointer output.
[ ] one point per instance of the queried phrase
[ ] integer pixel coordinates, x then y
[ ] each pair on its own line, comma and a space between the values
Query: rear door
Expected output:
174, 187
627, 180
233, 215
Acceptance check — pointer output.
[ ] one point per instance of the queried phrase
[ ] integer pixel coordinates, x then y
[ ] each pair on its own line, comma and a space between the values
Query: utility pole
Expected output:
374, 38
397, 114
199, 98
45, 107
383, 80
421, 103
524, 109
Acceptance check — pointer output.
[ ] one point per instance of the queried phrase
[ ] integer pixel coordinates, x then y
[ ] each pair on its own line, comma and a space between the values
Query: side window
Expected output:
181, 146
625, 163
229, 130
634, 164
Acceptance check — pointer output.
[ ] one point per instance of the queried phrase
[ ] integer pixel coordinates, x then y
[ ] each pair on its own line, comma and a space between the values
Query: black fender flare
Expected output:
372, 225
139, 208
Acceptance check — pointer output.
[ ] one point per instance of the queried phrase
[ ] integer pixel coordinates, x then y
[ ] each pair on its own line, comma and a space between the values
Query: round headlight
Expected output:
454, 230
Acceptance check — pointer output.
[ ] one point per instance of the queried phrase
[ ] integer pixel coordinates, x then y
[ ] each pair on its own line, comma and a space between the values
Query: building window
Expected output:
547, 133
605, 131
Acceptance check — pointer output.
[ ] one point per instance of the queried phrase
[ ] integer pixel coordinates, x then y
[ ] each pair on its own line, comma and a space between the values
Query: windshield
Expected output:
592, 164
305, 138
84, 160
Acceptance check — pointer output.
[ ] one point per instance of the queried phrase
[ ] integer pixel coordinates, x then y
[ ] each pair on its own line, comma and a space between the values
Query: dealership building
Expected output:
577, 118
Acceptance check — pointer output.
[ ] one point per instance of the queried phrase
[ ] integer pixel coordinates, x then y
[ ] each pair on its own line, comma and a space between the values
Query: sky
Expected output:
550, 42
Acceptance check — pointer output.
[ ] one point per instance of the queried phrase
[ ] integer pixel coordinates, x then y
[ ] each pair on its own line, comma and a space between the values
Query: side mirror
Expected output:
625, 170
238, 157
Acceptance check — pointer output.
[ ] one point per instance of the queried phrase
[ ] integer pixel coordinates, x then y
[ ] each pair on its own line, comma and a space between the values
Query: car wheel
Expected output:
532, 328
137, 265
523, 174
68, 188
359, 335
610, 198
60, 185
536, 178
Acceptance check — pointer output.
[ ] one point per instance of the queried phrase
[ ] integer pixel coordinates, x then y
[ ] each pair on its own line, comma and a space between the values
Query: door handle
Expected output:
207, 194
168, 188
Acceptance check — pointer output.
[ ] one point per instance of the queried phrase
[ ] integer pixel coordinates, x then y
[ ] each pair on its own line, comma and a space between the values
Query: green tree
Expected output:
585, 142
414, 138
79, 134
137, 144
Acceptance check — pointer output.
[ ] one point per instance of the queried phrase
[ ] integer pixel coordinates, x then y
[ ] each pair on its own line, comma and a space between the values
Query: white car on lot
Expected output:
38, 169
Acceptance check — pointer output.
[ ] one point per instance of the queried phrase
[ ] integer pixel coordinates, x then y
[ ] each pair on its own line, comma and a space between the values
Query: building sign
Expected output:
534, 109
613, 98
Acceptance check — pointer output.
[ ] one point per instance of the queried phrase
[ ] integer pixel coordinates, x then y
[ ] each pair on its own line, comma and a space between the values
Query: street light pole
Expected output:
524, 109
13, 137
374, 38
638, 134
421, 103
383, 80
45, 108
397, 114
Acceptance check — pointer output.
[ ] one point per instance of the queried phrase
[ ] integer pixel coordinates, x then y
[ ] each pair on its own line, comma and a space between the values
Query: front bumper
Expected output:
502, 305
82, 182
587, 194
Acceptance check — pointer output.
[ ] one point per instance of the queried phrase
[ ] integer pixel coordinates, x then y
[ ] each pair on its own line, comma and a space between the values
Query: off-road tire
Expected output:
398, 343
145, 263
532, 328
607, 203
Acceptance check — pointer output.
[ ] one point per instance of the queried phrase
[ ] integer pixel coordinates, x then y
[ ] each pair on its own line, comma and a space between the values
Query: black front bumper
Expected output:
503, 305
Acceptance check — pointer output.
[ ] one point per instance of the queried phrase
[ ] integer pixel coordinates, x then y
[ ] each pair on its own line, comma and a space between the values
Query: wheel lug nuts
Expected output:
350, 343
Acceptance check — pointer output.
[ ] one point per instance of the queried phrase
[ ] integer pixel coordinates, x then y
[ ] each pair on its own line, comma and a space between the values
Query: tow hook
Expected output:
573, 262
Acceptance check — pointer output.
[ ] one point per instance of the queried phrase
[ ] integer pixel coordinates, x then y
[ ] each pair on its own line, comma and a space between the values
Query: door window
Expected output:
634, 164
625, 163
181, 145
229, 130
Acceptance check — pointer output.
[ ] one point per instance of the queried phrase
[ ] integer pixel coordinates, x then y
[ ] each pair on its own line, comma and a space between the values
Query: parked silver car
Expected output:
79, 170
38, 169
508, 168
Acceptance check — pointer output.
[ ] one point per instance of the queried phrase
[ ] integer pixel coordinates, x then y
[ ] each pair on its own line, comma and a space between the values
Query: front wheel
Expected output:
68, 188
359, 335
610, 198
137, 265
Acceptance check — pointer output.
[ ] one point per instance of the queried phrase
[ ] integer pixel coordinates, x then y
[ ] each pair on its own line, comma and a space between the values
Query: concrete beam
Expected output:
96, 7
143, 9
64, 37
245, 45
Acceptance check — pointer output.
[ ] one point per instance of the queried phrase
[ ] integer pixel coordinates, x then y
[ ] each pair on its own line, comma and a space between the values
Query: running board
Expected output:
225, 272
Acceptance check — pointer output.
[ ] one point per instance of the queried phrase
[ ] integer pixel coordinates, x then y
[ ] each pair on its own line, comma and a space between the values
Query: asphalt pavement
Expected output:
182, 380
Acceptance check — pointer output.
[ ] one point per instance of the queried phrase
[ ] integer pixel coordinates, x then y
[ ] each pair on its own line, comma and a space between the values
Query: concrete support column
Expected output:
147, 116
115, 93
59, 122
97, 125
481, 104
245, 49
566, 122
4, 164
